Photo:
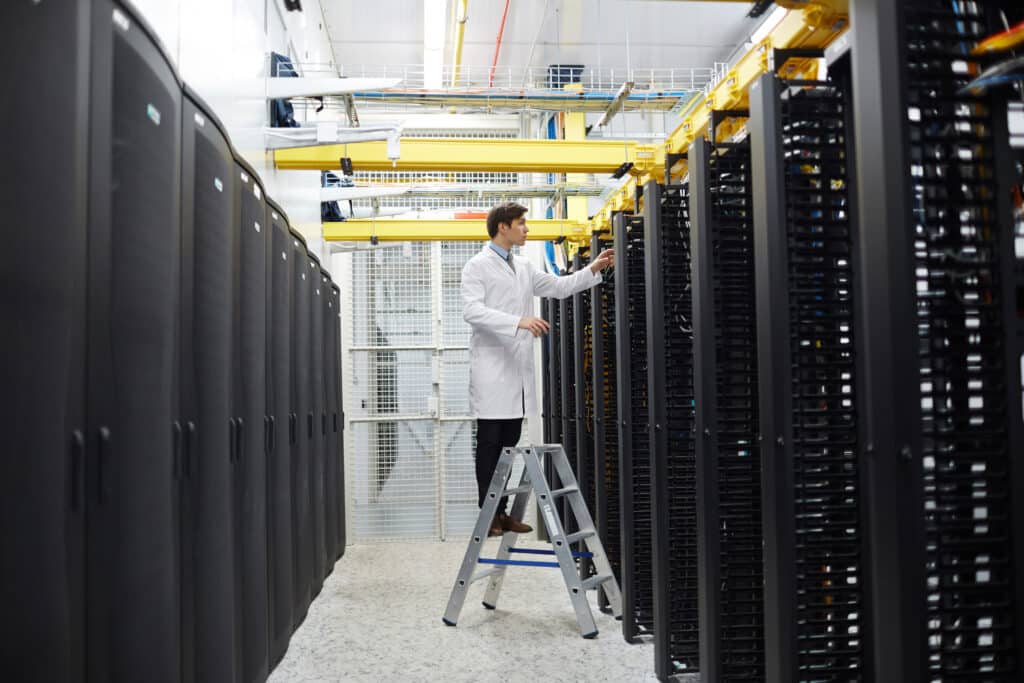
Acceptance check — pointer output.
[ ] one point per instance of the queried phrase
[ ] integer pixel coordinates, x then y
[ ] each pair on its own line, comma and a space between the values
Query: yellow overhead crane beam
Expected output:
814, 25
429, 229
495, 155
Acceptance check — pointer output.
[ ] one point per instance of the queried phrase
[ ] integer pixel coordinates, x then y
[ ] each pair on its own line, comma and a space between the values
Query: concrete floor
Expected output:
379, 618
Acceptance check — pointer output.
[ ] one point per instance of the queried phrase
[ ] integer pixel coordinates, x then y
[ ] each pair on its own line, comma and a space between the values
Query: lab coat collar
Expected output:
503, 253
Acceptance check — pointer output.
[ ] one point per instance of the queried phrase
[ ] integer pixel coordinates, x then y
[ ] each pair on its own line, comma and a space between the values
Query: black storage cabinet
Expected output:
315, 420
329, 425
300, 428
250, 433
132, 570
338, 416
42, 305
208, 244
279, 475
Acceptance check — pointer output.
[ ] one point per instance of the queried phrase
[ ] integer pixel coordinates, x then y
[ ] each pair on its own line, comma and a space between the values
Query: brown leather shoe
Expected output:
513, 525
496, 527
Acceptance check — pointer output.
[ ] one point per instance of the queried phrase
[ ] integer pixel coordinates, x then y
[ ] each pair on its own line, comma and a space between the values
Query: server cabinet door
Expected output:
302, 426
207, 537
132, 573
316, 388
339, 419
330, 436
42, 313
279, 498
250, 414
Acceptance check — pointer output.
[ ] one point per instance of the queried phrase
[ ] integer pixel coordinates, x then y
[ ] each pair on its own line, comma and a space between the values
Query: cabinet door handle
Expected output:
309, 424
190, 444
292, 428
232, 434
239, 441
77, 469
176, 448
103, 464
273, 434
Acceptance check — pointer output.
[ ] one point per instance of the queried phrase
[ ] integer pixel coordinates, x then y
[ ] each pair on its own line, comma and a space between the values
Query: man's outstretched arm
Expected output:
547, 285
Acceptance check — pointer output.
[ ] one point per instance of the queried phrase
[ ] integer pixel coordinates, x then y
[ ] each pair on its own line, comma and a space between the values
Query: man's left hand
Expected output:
605, 258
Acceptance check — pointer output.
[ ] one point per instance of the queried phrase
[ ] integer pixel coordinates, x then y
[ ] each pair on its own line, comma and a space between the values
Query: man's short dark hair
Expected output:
506, 212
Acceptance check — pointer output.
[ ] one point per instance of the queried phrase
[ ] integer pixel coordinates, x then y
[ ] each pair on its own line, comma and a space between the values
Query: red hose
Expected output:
497, 47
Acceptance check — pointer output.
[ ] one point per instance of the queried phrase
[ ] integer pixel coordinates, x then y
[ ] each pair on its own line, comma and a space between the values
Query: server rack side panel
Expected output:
774, 361
329, 435
891, 401
705, 398
43, 309
132, 568
207, 535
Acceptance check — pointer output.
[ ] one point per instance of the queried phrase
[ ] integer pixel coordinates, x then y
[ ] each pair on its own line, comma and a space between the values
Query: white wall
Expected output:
221, 43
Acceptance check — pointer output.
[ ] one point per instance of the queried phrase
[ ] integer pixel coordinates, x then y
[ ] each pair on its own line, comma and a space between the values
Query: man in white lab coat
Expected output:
497, 296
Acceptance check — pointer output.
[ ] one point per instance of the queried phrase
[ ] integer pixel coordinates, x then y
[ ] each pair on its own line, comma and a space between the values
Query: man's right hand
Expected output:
538, 326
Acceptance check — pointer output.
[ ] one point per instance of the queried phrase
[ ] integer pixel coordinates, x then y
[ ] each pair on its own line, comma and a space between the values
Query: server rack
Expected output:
279, 467
328, 424
338, 418
132, 578
806, 279
669, 329
726, 395
631, 397
43, 306
582, 400
545, 372
300, 427
939, 313
567, 367
554, 385
250, 410
208, 247
604, 417
314, 422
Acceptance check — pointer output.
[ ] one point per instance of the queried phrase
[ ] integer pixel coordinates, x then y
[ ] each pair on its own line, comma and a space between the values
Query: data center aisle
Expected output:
379, 618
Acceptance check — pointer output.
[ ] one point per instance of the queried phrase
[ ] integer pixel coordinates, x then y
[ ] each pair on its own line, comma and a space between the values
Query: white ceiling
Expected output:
589, 32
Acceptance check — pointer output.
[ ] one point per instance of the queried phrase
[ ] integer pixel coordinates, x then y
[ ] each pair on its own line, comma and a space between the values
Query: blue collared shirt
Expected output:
503, 253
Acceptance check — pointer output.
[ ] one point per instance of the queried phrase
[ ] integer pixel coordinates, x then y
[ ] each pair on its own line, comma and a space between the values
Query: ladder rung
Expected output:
579, 536
595, 581
565, 491
525, 488
485, 573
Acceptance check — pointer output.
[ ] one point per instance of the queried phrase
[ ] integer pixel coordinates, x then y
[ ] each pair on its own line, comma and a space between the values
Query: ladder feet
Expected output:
487, 606
446, 622
591, 635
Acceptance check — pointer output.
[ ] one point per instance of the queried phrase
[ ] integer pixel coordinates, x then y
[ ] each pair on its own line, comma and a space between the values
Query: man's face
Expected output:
517, 231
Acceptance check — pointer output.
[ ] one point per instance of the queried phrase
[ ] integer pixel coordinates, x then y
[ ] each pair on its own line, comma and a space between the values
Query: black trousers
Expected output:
491, 437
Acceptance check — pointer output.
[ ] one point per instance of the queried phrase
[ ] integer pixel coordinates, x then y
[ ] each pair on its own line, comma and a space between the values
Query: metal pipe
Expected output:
460, 33
497, 46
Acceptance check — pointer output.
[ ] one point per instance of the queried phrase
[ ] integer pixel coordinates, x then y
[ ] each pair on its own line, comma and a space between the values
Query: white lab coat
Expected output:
494, 299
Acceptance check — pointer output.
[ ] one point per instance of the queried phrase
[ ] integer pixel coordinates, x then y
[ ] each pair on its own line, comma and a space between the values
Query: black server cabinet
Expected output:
814, 583
280, 262
300, 426
208, 248
250, 433
545, 373
338, 419
554, 385
43, 308
940, 296
603, 416
133, 629
315, 420
670, 428
330, 439
582, 358
631, 396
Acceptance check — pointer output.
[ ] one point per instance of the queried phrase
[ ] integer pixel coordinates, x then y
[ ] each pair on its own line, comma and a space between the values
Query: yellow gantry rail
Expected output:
495, 155
460, 229
808, 24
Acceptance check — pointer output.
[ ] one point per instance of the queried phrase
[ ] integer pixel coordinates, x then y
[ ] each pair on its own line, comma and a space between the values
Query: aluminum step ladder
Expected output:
532, 480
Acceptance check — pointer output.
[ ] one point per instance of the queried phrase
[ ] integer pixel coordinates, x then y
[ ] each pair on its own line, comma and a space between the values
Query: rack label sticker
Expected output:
218, 184
153, 113
199, 119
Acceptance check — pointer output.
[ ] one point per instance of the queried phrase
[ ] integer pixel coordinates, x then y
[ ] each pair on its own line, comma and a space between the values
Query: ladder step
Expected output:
595, 581
579, 535
526, 488
557, 493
